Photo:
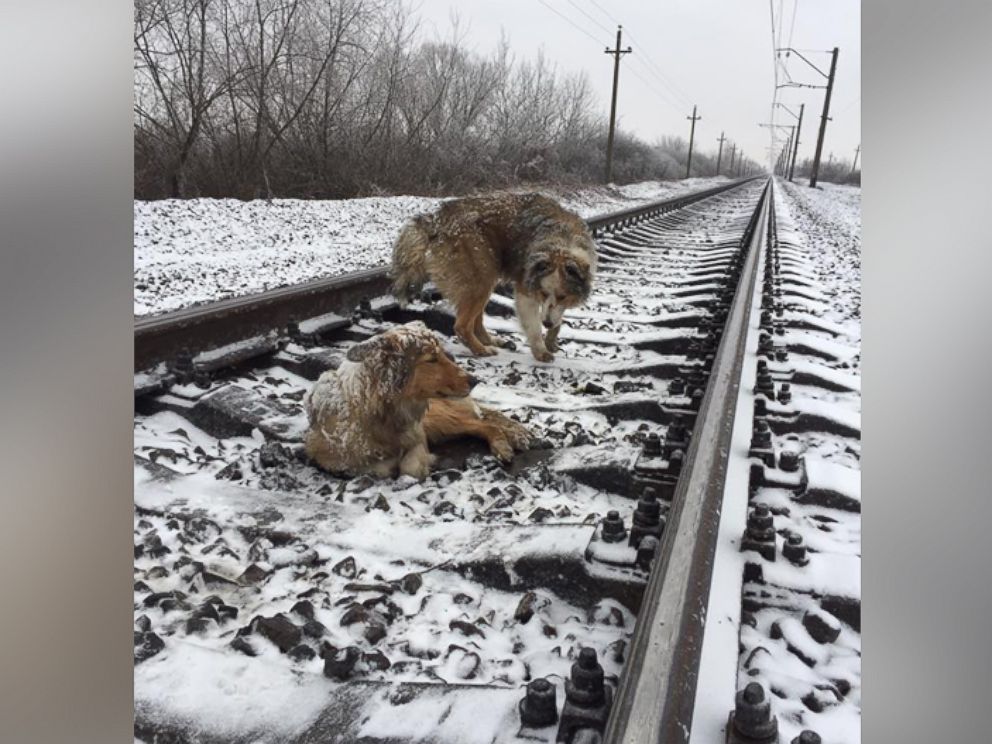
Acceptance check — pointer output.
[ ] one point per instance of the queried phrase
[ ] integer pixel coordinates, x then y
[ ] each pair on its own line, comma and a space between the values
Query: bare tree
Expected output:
338, 98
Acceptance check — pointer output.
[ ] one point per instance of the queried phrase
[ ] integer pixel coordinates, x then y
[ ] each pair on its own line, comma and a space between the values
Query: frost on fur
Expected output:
409, 270
392, 394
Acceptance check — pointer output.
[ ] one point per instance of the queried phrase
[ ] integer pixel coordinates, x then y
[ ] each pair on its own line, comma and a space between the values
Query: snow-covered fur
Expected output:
470, 245
393, 394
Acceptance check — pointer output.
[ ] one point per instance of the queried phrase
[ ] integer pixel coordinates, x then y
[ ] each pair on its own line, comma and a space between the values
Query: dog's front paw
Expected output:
543, 355
418, 470
417, 464
551, 345
519, 436
501, 448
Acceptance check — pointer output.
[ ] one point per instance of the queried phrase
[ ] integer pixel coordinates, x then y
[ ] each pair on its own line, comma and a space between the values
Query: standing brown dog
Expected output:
469, 245
391, 396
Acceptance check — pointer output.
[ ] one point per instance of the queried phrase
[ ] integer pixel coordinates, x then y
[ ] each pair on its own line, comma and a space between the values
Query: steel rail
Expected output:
161, 338
657, 691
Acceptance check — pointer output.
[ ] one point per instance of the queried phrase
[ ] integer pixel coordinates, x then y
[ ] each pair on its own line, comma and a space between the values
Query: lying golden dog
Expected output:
392, 395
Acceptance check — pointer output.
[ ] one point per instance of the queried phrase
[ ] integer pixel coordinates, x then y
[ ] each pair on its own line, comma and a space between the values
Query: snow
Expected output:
247, 696
339, 519
814, 686
191, 251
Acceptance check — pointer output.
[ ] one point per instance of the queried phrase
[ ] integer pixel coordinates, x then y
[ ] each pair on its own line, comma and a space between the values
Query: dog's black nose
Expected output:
472, 381
548, 324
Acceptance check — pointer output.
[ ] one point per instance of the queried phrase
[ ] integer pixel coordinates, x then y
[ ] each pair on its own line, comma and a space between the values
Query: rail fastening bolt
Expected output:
794, 549
760, 407
539, 706
675, 462
760, 524
677, 386
752, 719
585, 685
652, 445
788, 460
761, 437
759, 535
755, 478
647, 517
587, 698
646, 552
785, 393
613, 527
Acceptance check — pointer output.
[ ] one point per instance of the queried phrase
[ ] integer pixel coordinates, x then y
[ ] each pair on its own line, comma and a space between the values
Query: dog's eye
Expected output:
574, 272
540, 267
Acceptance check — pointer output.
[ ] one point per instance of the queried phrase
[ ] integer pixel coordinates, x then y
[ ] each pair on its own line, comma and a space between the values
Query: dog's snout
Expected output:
472, 381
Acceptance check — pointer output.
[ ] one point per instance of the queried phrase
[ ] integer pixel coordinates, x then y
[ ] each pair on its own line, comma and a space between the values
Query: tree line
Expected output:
344, 98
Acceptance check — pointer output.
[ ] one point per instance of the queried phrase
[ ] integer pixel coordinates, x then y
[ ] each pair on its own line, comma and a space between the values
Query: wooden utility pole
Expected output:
823, 119
733, 149
617, 53
692, 133
854, 165
719, 153
795, 145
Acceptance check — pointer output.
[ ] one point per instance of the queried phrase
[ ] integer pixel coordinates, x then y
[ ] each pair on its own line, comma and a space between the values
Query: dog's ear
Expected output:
362, 351
536, 269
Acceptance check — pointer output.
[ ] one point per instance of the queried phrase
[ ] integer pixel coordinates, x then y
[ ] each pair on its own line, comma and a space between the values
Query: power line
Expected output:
570, 21
663, 96
595, 22
655, 70
653, 67
650, 86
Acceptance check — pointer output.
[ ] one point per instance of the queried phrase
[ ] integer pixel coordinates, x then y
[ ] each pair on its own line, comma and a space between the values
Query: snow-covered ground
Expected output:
249, 560
801, 634
283, 533
191, 251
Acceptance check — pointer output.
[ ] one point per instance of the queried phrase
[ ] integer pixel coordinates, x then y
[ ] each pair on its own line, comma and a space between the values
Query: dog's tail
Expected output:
409, 270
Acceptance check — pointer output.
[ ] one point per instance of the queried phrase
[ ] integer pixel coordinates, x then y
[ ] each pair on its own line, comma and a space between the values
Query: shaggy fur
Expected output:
392, 395
470, 245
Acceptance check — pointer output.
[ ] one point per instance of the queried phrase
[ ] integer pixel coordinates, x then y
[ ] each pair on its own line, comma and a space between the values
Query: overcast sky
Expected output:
714, 53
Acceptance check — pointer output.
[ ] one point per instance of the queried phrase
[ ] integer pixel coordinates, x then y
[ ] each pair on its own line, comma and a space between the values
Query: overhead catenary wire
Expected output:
792, 29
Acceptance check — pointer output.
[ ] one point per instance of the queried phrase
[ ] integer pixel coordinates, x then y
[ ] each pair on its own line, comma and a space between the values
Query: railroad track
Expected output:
309, 608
